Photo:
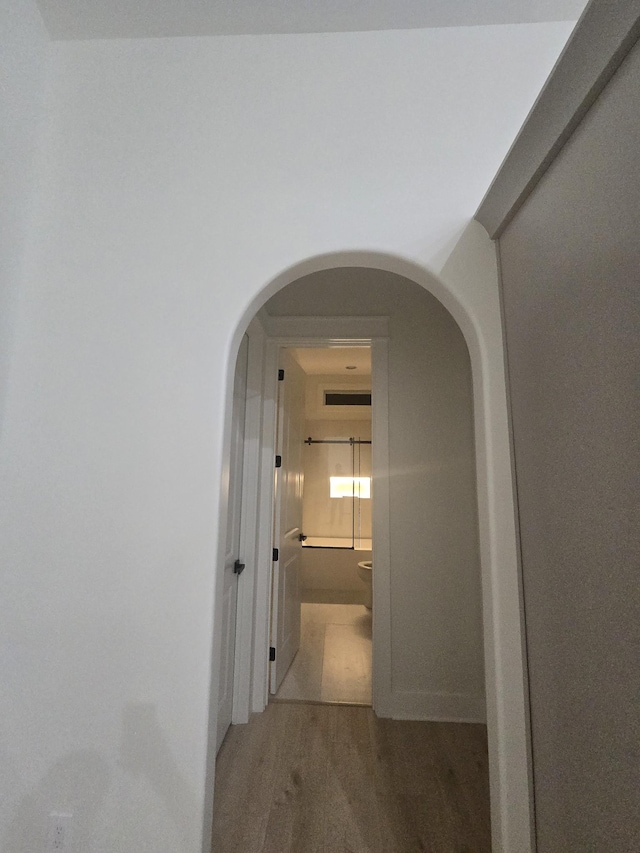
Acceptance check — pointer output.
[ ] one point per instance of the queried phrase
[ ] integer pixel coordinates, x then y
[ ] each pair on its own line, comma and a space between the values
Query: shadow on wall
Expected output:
146, 755
76, 784
100, 798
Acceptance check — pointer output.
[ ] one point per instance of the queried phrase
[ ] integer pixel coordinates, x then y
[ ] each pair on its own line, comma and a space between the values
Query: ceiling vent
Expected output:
347, 398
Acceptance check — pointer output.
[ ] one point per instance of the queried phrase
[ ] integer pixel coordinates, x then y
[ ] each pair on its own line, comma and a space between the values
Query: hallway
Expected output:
331, 779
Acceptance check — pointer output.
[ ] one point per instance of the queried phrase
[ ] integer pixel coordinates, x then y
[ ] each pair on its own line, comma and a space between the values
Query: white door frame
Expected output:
250, 514
254, 616
229, 584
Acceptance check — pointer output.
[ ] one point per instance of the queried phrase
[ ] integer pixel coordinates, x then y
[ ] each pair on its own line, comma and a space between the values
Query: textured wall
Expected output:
23, 57
571, 279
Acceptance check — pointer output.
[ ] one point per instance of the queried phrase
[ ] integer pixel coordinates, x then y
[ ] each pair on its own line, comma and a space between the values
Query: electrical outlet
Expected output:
58, 837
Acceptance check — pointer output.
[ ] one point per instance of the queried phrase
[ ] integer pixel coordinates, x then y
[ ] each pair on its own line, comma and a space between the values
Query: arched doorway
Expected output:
505, 685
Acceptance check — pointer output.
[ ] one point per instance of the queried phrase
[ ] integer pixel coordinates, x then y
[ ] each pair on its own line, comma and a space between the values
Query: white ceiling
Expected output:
333, 361
86, 19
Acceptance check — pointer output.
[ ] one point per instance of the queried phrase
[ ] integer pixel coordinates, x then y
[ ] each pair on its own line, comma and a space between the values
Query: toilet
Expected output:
365, 572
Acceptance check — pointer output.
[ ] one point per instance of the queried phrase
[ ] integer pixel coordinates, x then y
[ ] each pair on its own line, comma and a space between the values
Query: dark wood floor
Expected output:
335, 779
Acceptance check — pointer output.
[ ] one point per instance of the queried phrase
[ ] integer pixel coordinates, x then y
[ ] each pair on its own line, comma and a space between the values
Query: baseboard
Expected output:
436, 707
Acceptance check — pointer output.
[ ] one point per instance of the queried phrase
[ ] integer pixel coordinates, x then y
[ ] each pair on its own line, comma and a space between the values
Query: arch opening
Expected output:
500, 723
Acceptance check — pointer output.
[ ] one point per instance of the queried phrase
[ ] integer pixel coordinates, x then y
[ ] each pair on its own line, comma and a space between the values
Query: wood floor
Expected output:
333, 663
305, 778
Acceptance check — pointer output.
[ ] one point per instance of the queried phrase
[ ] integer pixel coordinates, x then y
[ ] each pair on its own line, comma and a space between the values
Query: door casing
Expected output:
251, 689
230, 579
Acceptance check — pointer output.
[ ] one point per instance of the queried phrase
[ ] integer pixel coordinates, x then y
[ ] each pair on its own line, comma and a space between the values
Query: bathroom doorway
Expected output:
329, 473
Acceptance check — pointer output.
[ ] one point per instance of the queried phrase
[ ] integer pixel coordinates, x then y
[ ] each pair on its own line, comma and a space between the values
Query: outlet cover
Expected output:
59, 835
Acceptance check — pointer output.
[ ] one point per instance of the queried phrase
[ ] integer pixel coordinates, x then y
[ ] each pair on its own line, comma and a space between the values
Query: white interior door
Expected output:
232, 546
285, 622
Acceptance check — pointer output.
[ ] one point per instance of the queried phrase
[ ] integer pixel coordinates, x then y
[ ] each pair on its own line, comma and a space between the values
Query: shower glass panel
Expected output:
336, 507
362, 502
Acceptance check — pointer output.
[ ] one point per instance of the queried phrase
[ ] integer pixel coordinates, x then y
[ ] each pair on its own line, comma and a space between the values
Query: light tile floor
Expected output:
333, 663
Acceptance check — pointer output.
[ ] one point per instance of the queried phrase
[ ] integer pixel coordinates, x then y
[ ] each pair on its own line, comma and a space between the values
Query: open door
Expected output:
285, 613
232, 559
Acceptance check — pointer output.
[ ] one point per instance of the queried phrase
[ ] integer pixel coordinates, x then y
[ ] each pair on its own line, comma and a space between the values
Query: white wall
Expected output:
23, 55
179, 176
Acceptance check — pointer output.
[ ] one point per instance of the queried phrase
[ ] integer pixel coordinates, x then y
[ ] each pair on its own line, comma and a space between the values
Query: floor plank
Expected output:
296, 817
354, 824
311, 778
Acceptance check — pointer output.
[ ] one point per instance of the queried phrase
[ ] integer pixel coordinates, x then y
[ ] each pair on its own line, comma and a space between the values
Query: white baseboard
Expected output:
436, 707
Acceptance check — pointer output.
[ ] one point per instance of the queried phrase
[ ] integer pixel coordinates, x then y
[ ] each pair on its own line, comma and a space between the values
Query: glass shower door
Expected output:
362, 496
337, 488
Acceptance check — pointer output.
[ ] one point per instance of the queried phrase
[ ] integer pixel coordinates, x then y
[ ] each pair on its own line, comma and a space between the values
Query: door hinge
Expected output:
276, 555
278, 461
280, 375
272, 653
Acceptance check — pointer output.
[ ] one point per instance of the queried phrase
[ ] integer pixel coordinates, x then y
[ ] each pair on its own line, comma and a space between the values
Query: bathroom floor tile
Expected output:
346, 666
333, 663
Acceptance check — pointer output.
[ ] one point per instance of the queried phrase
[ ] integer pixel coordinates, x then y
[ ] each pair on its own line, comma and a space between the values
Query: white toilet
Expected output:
365, 572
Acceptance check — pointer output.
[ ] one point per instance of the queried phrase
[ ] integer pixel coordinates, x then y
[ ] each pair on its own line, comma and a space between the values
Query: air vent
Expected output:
347, 398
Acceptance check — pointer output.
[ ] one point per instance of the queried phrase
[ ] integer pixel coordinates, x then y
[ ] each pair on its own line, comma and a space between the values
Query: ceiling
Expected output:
87, 19
333, 361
